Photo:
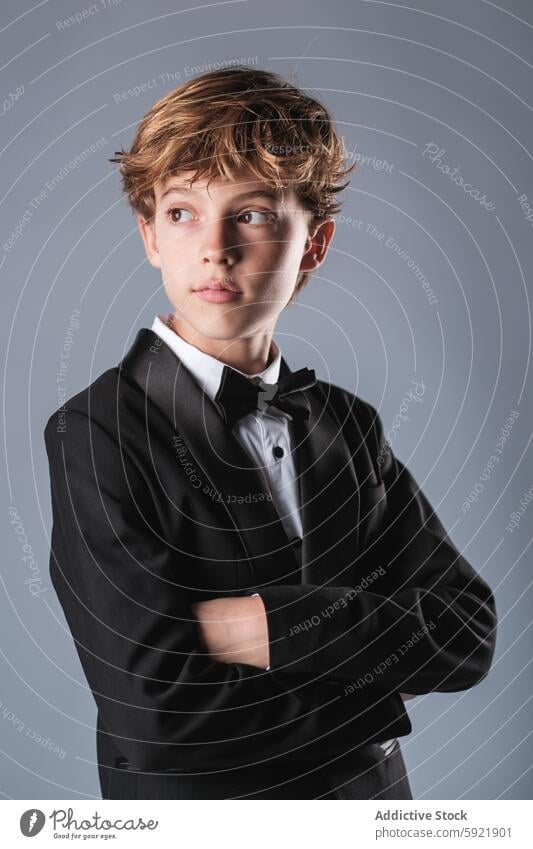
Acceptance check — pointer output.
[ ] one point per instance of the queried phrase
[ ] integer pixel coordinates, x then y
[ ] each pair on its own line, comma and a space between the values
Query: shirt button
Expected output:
277, 451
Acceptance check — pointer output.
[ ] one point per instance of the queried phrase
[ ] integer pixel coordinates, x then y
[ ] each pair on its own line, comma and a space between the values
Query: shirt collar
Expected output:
207, 370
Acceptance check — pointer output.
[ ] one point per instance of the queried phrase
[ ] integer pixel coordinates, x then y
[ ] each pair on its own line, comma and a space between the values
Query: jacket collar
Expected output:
205, 368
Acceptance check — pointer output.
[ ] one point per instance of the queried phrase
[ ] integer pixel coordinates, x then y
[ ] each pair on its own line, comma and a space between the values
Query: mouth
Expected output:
218, 286
217, 291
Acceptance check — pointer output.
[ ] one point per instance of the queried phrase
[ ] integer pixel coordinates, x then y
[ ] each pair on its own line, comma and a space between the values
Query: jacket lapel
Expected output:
327, 483
238, 488
329, 495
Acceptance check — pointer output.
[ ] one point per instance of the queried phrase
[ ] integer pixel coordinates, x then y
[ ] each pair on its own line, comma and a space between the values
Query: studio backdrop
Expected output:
422, 308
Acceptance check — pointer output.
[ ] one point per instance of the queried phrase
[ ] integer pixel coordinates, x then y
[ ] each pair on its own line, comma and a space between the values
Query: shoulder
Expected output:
342, 402
94, 439
105, 402
93, 399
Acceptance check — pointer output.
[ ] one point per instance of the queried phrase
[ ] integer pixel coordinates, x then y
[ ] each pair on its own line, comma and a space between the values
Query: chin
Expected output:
220, 328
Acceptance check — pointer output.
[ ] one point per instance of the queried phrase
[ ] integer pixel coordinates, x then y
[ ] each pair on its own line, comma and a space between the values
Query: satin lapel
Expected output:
219, 456
329, 495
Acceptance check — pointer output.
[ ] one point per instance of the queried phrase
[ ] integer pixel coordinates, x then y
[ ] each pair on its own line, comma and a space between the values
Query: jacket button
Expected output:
278, 451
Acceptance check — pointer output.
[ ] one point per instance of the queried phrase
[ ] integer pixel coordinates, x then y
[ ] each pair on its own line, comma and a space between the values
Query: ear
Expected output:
147, 231
318, 241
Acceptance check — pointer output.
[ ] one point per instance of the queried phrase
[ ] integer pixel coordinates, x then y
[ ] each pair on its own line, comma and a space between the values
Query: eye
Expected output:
267, 216
171, 213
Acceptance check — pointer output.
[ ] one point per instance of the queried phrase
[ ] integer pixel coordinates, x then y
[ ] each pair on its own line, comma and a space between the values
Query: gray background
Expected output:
396, 78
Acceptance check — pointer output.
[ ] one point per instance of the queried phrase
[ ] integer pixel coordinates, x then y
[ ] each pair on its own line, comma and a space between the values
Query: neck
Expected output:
249, 354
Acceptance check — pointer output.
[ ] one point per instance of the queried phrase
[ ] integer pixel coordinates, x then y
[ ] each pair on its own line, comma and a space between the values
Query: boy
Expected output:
254, 582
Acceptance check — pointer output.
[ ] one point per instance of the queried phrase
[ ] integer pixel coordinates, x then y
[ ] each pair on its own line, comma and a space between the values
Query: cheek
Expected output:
277, 250
176, 257
171, 243
171, 237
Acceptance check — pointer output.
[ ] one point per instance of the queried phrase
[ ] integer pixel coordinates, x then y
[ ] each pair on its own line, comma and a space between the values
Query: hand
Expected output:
234, 630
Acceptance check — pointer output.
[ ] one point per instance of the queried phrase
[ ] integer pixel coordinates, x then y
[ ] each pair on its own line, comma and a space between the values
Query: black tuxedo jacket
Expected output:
156, 505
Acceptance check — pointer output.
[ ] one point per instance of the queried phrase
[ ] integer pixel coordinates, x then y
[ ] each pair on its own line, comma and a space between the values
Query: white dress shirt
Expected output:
264, 435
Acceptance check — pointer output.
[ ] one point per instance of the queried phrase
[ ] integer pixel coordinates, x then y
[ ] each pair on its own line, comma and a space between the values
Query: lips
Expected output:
218, 285
217, 295
218, 291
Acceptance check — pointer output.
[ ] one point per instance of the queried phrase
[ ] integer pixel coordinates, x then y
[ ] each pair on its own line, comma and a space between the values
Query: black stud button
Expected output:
278, 451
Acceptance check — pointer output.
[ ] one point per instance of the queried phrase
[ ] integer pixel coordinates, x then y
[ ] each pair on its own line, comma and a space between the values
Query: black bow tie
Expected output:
238, 395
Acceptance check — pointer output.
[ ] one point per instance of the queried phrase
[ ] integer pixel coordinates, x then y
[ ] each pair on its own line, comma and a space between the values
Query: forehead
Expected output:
220, 188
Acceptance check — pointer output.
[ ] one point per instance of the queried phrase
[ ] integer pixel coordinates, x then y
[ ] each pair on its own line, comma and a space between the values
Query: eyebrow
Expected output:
269, 193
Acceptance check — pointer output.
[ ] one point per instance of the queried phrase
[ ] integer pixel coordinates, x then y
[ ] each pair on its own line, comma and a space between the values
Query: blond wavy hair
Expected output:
232, 119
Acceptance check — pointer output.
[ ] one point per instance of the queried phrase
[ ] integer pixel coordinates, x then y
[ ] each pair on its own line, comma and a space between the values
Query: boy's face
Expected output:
236, 236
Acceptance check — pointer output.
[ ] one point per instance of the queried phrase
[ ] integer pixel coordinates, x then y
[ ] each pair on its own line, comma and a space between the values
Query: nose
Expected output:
219, 242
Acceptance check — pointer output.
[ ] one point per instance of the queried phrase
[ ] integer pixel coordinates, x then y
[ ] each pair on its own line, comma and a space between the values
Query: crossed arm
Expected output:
433, 626
164, 699
235, 630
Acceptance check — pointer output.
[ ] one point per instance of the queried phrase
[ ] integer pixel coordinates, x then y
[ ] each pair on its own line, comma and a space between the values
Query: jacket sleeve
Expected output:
433, 626
166, 703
